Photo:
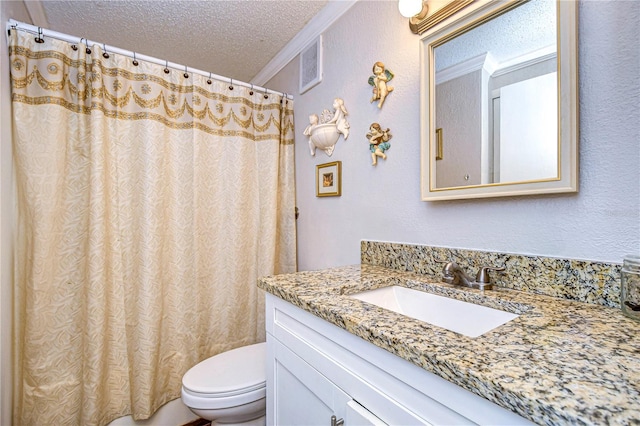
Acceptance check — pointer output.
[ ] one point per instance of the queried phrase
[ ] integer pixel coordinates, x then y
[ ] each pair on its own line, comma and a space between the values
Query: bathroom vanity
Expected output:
318, 370
329, 354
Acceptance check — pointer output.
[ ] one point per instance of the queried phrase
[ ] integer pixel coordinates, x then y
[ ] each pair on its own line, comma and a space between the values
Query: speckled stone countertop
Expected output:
559, 362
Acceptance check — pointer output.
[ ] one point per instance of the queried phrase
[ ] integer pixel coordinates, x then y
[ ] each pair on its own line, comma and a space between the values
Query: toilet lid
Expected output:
230, 373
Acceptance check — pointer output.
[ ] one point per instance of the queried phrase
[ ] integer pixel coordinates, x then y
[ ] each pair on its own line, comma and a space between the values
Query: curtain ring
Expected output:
166, 67
105, 54
209, 80
231, 85
87, 44
39, 39
135, 61
266, 93
186, 74
251, 91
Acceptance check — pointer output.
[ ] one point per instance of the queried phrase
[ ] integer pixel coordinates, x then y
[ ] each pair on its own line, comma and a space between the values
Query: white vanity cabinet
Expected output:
317, 370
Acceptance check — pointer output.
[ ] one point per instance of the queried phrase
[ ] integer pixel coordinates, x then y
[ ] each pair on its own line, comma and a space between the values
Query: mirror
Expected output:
499, 101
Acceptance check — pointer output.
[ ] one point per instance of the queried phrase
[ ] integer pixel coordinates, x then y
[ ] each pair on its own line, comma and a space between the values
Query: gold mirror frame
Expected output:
480, 11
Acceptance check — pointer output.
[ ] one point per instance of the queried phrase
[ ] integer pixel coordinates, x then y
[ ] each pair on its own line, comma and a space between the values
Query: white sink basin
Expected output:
462, 317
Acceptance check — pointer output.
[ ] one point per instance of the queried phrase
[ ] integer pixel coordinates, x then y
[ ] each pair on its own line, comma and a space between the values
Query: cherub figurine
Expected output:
313, 122
379, 81
378, 142
339, 117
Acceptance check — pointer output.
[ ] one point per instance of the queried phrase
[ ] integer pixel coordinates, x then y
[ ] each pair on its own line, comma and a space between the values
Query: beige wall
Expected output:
15, 10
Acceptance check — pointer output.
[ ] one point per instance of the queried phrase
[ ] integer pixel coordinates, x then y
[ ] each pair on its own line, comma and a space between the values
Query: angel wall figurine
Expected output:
325, 133
379, 80
378, 142
339, 117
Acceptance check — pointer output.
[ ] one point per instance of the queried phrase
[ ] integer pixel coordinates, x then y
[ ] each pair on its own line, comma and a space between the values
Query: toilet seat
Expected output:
228, 379
212, 402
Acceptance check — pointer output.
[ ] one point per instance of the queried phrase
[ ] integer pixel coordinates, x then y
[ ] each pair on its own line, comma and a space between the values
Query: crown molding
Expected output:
482, 61
36, 13
527, 60
487, 62
318, 24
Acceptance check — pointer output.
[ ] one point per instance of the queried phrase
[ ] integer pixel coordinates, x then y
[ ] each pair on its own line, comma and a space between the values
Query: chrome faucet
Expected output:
454, 274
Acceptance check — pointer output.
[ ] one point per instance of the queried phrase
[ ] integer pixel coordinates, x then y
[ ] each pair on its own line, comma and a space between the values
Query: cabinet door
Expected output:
304, 396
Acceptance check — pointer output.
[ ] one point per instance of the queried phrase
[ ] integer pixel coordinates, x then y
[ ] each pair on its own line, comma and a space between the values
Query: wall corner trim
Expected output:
318, 24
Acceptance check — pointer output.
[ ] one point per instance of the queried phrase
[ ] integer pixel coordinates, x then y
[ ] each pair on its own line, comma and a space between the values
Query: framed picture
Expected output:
329, 179
311, 65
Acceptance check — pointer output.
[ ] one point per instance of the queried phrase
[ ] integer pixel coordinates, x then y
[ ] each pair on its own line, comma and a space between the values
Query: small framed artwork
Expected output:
311, 65
329, 179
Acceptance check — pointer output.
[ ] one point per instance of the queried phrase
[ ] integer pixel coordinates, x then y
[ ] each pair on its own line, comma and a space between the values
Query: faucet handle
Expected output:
483, 274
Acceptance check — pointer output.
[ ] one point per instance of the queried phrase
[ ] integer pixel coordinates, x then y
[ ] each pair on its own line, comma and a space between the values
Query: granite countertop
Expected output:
559, 362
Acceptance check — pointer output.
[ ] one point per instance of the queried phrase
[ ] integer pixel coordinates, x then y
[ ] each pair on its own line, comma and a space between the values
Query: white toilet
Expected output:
229, 388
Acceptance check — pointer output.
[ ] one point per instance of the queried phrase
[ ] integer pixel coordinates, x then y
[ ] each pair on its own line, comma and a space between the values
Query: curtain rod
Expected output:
41, 32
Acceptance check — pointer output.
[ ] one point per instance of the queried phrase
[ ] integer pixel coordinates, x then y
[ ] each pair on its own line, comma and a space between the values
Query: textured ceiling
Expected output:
231, 38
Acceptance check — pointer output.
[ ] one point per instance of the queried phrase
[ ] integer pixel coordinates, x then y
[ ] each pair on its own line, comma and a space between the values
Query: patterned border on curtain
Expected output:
92, 82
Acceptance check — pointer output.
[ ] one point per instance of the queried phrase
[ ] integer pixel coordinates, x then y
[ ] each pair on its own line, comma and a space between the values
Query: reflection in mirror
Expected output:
492, 102
496, 97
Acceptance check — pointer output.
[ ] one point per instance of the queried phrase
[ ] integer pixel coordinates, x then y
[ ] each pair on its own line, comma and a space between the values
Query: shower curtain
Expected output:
148, 205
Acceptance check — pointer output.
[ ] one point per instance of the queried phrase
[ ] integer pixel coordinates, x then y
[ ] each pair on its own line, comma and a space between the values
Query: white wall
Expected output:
601, 222
528, 129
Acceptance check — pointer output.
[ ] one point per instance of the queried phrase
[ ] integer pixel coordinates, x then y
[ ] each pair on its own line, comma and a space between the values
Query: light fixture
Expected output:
410, 8
416, 11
